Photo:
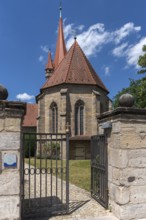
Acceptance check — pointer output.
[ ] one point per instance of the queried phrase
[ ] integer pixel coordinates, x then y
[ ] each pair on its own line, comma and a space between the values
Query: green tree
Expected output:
137, 88
142, 61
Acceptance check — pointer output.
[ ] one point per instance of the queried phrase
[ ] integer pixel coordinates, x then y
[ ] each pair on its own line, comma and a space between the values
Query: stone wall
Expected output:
126, 162
11, 114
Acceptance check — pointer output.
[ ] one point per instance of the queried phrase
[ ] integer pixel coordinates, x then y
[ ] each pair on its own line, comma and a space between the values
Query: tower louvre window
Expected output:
79, 118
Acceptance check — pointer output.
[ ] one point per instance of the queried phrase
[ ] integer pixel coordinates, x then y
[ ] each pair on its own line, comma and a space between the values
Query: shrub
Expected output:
49, 151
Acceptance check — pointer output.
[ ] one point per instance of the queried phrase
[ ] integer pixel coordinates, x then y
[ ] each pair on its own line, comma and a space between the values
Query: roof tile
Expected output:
30, 119
75, 69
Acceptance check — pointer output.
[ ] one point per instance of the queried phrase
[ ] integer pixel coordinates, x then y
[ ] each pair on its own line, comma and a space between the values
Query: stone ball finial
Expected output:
126, 100
3, 93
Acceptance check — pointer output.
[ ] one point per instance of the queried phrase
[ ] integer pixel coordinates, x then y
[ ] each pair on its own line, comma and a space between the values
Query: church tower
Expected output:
60, 50
73, 93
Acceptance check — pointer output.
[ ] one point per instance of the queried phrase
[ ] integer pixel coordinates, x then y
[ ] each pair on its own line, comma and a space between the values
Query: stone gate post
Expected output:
126, 162
11, 114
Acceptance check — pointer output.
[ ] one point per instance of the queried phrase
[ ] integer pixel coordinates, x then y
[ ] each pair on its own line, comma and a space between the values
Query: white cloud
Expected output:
92, 39
68, 30
124, 31
130, 52
107, 71
24, 97
41, 58
81, 27
45, 48
96, 36
135, 51
71, 30
120, 50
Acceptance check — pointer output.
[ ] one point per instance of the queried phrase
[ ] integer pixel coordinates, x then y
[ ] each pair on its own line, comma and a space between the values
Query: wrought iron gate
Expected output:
99, 181
45, 176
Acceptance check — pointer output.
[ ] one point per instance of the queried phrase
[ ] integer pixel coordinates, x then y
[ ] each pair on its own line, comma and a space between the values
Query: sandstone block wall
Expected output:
11, 114
127, 162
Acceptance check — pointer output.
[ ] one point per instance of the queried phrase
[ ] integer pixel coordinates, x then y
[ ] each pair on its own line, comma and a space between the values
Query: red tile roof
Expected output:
30, 119
60, 46
75, 69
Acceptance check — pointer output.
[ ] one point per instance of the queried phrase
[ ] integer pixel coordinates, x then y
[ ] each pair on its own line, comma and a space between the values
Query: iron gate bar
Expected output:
61, 172
40, 172
57, 169
42, 201
35, 172
67, 172
51, 171
99, 170
46, 190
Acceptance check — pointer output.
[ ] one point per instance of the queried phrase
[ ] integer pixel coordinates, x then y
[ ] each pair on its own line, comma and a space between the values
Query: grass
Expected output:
79, 171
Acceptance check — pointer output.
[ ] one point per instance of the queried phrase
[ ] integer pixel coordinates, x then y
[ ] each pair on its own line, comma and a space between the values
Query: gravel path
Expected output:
81, 205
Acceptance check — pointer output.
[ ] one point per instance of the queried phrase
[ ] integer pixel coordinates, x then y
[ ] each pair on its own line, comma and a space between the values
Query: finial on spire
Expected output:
60, 8
74, 34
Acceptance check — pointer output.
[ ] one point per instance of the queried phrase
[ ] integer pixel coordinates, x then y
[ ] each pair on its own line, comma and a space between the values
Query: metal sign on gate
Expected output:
99, 181
45, 177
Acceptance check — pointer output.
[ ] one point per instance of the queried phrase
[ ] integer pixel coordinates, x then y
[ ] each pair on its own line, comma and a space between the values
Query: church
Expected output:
73, 94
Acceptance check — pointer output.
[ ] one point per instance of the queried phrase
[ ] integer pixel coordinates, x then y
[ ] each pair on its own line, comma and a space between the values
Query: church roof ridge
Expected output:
84, 57
91, 70
70, 61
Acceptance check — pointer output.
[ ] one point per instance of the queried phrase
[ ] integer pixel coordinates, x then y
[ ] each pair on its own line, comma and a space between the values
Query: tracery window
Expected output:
54, 118
79, 118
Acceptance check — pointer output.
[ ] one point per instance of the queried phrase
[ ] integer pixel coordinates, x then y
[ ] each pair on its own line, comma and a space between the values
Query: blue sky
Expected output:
110, 32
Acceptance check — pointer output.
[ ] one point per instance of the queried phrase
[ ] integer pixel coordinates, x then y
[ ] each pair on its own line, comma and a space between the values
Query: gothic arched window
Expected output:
79, 118
54, 118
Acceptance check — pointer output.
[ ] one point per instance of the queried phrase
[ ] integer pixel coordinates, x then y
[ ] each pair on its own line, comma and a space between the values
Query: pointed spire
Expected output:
60, 46
49, 66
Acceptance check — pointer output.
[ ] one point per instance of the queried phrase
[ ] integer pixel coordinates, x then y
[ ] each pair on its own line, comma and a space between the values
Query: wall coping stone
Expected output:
121, 111
12, 108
